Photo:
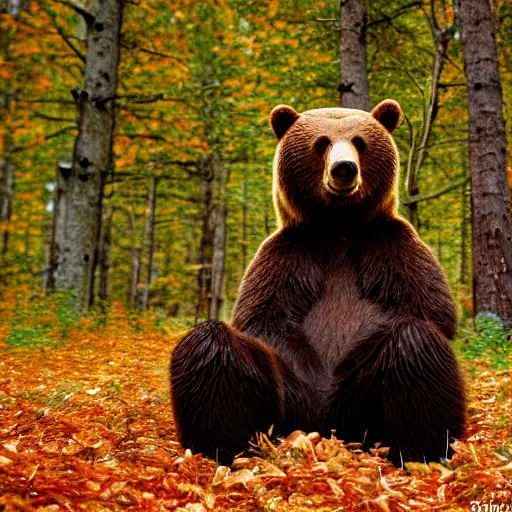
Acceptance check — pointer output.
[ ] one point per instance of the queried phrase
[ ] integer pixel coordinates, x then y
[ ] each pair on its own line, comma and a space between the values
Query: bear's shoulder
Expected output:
392, 231
292, 241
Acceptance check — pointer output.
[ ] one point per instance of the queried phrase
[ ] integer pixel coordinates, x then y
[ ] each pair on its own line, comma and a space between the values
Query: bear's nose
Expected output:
344, 171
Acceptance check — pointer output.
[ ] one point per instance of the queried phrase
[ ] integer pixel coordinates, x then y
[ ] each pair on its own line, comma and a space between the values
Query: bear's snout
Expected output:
344, 173
341, 174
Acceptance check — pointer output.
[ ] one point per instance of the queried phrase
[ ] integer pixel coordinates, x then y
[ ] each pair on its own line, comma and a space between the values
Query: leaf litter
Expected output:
87, 425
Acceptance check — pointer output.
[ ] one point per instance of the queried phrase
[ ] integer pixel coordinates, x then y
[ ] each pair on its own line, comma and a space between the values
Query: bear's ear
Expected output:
389, 114
281, 118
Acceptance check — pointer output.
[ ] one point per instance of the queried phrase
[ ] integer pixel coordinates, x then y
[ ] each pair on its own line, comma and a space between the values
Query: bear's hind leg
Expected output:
402, 386
225, 386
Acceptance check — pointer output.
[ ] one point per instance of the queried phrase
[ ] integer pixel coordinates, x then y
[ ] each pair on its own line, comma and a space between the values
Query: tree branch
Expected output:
47, 137
61, 32
129, 45
389, 18
134, 98
66, 39
435, 195
142, 136
86, 15
445, 85
51, 118
42, 100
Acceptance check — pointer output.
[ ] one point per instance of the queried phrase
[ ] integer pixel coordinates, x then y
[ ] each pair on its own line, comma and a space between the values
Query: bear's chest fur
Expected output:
332, 324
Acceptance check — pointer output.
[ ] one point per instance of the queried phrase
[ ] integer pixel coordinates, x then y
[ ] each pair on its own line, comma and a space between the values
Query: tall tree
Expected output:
7, 172
57, 233
354, 90
150, 239
6, 194
492, 229
442, 36
92, 151
213, 240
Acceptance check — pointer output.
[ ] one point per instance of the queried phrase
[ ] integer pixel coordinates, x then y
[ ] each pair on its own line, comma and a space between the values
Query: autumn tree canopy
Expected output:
175, 193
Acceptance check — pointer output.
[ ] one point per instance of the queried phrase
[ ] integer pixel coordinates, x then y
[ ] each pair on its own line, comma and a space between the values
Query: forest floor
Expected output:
86, 424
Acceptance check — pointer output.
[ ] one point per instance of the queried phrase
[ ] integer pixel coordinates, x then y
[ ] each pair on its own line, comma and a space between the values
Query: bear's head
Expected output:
335, 162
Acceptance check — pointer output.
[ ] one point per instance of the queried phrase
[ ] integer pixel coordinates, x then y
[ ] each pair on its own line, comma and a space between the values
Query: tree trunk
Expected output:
464, 238
7, 190
92, 153
219, 240
492, 230
266, 219
150, 239
354, 90
135, 253
168, 253
104, 261
12, 7
213, 240
245, 208
417, 153
57, 231
134, 279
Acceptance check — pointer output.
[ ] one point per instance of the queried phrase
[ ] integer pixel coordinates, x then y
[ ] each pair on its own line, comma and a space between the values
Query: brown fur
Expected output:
343, 319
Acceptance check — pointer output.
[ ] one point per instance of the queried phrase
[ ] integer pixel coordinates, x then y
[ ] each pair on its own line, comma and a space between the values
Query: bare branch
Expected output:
134, 98
142, 136
435, 195
61, 32
446, 85
43, 100
47, 137
390, 17
180, 163
449, 141
52, 118
66, 39
86, 15
129, 45
143, 99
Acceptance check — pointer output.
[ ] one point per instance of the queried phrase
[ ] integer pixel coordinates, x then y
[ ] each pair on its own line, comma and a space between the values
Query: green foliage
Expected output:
173, 324
486, 339
113, 388
41, 322
28, 338
220, 68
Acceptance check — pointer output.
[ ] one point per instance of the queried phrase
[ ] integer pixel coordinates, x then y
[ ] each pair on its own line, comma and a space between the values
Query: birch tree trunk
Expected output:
492, 230
354, 90
92, 153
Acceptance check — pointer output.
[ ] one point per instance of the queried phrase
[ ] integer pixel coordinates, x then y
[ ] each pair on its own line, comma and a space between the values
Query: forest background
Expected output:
135, 187
185, 196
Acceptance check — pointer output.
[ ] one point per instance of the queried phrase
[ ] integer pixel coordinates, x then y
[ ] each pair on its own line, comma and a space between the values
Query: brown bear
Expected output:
344, 318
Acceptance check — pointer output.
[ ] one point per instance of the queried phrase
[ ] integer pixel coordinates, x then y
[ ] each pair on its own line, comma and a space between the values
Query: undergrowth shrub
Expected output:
486, 338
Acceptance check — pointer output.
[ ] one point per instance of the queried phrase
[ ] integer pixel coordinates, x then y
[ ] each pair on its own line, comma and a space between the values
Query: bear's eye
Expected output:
322, 143
360, 144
